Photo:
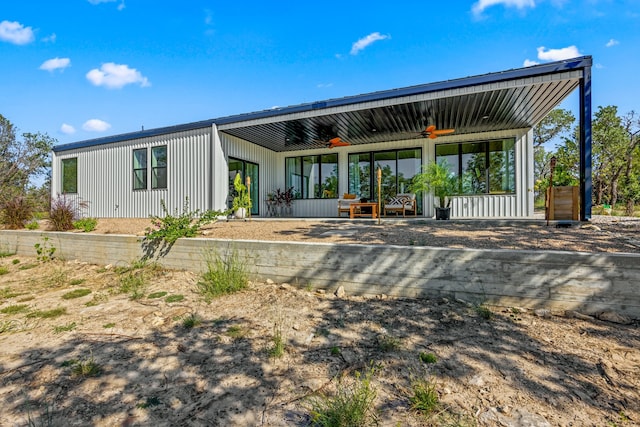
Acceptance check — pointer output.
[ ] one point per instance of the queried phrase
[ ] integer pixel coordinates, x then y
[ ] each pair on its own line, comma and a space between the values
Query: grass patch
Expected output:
86, 368
47, 314
191, 321
428, 358
236, 332
3, 270
64, 328
76, 293
76, 282
7, 293
15, 261
27, 266
425, 398
15, 309
97, 299
4, 254
133, 283
6, 326
157, 295
351, 405
174, 298
148, 403
388, 343
484, 312
109, 325
223, 275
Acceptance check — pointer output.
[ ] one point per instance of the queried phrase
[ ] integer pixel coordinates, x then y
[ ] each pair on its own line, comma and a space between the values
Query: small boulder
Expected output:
613, 317
340, 292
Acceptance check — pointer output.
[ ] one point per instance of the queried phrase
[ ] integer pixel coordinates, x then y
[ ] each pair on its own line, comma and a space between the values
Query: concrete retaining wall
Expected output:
557, 280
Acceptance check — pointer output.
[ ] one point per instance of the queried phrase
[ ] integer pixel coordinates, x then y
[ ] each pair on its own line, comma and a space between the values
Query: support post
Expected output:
586, 186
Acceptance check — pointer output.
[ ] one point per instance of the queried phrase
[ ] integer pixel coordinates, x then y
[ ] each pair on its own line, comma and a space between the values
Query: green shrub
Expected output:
351, 405
33, 225
87, 368
15, 212
171, 227
223, 275
85, 224
484, 312
44, 250
3, 270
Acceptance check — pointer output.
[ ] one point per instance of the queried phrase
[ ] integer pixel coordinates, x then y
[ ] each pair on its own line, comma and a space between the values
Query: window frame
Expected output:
296, 178
154, 169
144, 169
488, 174
63, 187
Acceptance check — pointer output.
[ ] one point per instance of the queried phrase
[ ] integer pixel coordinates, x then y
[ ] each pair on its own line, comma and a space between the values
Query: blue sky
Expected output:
82, 69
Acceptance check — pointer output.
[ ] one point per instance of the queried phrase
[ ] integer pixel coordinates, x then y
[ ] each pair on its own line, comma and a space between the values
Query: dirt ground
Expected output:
503, 367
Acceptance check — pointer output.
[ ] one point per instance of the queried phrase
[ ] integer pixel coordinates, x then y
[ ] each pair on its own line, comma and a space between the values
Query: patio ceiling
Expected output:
511, 99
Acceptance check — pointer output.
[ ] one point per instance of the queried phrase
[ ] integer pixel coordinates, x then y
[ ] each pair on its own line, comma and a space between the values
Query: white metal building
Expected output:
491, 150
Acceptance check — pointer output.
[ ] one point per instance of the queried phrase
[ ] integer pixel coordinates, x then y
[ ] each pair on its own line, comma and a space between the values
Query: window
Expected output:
70, 175
159, 167
398, 168
313, 177
486, 167
140, 169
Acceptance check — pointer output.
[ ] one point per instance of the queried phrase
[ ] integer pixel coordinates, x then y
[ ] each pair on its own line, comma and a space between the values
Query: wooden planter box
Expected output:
562, 203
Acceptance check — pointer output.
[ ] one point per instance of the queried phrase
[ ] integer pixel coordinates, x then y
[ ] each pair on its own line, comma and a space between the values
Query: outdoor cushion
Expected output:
348, 196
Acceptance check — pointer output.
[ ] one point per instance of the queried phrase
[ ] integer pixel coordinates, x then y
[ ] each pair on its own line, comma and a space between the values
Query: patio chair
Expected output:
402, 202
345, 201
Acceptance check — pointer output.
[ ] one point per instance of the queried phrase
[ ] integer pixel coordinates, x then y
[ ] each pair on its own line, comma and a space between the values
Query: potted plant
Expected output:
242, 201
438, 179
284, 200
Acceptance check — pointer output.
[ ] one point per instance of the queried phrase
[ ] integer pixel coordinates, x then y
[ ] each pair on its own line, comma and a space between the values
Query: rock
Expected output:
613, 317
269, 282
340, 292
574, 314
286, 287
542, 312
590, 227
477, 381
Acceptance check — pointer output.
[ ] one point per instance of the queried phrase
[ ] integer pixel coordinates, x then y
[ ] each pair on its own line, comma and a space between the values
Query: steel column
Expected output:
585, 145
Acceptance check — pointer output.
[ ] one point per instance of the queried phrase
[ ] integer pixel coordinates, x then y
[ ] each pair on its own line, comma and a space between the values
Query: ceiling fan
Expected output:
432, 133
335, 142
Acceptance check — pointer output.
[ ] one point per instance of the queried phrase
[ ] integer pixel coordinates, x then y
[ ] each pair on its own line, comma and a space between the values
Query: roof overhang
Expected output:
512, 99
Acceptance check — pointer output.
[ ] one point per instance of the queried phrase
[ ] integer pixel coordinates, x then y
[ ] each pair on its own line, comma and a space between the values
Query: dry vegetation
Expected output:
138, 345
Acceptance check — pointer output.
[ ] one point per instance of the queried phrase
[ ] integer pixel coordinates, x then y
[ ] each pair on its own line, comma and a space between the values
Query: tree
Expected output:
610, 151
21, 160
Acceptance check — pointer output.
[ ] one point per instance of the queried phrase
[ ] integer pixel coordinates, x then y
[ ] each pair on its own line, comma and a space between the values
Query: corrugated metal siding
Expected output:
270, 169
105, 176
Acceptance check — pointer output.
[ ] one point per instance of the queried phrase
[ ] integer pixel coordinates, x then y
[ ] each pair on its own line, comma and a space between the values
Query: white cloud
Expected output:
95, 125
55, 64
50, 39
558, 54
366, 41
16, 33
115, 76
529, 63
67, 129
96, 2
612, 42
324, 85
481, 5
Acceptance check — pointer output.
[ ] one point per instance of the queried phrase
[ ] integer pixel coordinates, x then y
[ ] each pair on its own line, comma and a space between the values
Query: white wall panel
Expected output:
105, 175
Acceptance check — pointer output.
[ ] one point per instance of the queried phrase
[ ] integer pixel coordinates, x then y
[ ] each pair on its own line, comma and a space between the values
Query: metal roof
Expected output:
511, 99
